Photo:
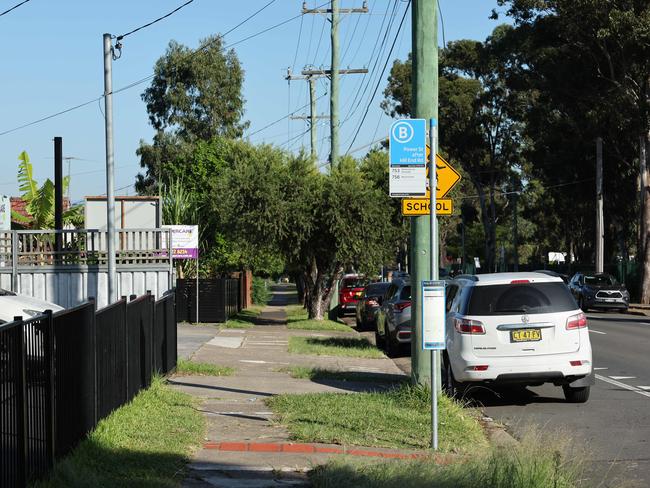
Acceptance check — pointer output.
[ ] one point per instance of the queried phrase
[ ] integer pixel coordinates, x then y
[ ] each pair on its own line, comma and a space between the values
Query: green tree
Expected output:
195, 95
40, 200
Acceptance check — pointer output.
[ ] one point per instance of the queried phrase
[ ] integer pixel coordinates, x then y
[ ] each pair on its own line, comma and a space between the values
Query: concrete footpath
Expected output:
244, 447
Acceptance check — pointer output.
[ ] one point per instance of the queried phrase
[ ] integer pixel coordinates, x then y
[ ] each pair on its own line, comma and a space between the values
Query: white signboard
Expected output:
5, 213
434, 315
185, 241
408, 158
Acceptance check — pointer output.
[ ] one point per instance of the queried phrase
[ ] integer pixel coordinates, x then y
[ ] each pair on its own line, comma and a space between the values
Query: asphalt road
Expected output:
611, 432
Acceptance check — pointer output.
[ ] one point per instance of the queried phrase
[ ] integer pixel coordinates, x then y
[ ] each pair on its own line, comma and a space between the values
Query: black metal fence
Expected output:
219, 299
60, 374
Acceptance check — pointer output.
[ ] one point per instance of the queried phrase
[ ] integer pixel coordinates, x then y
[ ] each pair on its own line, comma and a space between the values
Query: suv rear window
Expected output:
377, 289
352, 283
520, 298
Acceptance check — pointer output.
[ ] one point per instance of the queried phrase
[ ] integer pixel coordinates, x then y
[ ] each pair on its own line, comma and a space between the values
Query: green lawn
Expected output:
204, 369
397, 418
334, 346
319, 325
304, 372
146, 443
295, 313
244, 319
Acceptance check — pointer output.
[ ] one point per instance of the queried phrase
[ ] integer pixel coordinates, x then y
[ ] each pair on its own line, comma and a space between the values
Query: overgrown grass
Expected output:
535, 463
296, 313
244, 319
397, 418
305, 372
334, 346
146, 443
188, 367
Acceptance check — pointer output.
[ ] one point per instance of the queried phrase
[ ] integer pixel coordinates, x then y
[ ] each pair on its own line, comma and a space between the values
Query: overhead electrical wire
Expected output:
149, 77
380, 76
13, 8
148, 24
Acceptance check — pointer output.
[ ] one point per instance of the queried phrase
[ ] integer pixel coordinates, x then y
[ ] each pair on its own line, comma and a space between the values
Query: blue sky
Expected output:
52, 60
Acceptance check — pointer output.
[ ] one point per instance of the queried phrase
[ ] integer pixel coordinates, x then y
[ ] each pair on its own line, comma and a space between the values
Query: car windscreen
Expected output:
512, 299
377, 289
406, 293
600, 280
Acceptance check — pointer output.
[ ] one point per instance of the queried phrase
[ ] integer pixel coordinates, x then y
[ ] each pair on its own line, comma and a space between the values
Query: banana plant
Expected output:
39, 201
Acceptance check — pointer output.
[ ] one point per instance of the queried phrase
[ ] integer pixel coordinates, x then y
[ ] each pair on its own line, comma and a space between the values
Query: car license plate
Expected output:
525, 335
609, 300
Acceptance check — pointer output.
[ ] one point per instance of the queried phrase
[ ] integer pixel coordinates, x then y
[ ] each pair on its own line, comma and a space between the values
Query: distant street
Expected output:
613, 427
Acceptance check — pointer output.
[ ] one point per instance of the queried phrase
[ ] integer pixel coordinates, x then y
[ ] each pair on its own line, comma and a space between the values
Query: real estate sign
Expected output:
185, 241
5, 213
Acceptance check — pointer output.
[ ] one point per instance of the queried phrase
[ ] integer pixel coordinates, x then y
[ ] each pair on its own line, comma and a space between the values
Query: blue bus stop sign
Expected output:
408, 158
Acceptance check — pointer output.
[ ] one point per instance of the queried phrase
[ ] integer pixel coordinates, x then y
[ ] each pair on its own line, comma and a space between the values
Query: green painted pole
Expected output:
334, 95
425, 106
312, 117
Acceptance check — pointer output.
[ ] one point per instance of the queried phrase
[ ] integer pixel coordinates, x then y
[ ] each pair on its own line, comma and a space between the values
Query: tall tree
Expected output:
195, 95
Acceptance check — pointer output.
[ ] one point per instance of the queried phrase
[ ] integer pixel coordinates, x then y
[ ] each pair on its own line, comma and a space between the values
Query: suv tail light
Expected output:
372, 302
400, 306
578, 321
465, 326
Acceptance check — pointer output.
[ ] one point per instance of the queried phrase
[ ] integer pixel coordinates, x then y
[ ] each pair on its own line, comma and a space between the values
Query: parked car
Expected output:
369, 303
393, 325
516, 328
600, 291
15, 305
350, 290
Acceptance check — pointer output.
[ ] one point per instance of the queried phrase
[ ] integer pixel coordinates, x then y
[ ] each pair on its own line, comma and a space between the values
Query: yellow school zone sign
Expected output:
446, 179
420, 206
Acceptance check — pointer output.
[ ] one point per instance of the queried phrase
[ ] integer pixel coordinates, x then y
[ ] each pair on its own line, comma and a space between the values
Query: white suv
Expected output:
516, 328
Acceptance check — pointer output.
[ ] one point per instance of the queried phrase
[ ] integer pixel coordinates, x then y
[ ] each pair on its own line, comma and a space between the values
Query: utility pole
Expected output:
312, 118
425, 106
110, 167
58, 195
600, 223
643, 188
515, 232
335, 12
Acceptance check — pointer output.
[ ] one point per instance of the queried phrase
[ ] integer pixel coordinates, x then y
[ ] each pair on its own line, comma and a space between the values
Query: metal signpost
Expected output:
433, 339
408, 160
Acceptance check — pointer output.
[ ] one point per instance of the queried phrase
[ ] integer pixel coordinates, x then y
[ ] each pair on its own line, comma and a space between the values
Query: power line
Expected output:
282, 118
13, 8
147, 78
381, 75
119, 38
295, 56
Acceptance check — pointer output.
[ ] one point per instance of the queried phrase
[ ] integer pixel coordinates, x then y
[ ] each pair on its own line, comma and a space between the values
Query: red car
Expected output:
350, 290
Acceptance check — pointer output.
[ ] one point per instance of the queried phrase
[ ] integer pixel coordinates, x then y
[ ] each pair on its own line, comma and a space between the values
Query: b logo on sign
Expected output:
402, 132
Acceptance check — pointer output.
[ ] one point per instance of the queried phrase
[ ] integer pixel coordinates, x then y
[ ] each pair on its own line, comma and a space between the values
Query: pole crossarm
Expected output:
362, 10
328, 72
309, 117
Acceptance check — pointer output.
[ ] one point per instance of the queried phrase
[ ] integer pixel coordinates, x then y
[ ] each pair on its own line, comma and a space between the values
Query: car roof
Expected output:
507, 278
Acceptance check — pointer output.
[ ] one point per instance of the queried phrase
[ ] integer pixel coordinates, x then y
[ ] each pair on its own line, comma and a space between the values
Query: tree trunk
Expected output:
645, 284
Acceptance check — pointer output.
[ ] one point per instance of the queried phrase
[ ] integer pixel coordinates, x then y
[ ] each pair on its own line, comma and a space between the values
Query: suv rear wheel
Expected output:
576, 395
451, 387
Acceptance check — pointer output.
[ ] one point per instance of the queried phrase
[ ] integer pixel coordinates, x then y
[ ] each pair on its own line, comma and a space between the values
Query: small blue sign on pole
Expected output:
408, 157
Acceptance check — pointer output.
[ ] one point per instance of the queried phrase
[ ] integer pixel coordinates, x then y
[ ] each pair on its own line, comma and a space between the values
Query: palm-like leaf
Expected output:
26, 182
42, 207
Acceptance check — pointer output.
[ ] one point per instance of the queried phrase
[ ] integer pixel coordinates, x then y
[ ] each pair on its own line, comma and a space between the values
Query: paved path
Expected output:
235, 406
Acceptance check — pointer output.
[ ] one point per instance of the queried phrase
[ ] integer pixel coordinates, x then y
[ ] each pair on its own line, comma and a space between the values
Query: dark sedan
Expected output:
369, 303
599, 291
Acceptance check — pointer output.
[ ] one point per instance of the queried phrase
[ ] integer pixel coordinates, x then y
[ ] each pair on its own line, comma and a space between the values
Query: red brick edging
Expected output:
304, 449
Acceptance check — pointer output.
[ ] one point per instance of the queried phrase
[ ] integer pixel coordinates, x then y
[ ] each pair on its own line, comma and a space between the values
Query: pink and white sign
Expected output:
185, 241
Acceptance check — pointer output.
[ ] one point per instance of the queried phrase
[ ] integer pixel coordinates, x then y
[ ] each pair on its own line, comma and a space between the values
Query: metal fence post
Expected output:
48, 350
20, 380
14, 261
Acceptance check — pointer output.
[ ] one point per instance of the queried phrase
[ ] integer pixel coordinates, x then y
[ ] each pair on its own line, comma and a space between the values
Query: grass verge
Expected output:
334, 346
535, 463
146, 443
319, 325
187, 367
244, 319
305, 372
397, 418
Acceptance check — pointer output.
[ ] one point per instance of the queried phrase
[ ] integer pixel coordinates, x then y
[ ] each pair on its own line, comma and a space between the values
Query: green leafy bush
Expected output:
261, 291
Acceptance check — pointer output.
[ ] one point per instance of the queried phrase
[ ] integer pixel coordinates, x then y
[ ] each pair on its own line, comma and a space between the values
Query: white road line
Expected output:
598, 369
597, 332
646, 388
644, 323
623, 377
623, 385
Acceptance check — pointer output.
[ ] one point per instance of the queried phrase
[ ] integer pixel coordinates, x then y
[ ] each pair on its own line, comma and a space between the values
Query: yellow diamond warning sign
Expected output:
420, 206
446, 175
